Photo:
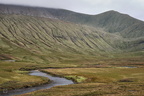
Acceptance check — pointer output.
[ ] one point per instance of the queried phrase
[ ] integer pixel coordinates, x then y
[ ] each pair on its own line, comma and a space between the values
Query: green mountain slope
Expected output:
46, 36
52, 35
111, 21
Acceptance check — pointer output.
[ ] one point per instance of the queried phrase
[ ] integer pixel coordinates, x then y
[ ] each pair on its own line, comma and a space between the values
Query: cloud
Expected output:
131, 7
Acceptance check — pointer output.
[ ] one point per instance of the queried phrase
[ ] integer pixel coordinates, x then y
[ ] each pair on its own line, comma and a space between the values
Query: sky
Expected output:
134, 8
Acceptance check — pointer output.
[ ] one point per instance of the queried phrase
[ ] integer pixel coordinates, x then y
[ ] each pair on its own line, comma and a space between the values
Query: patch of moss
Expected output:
77, 79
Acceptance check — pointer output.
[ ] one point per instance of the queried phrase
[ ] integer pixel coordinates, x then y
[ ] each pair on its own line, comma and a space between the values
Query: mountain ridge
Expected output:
111, 21
29, 36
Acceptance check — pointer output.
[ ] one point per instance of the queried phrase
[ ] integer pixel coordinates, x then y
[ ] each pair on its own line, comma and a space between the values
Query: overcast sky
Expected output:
134, 8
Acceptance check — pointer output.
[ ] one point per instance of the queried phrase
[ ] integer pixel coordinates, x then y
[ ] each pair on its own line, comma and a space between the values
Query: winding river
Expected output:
56, 81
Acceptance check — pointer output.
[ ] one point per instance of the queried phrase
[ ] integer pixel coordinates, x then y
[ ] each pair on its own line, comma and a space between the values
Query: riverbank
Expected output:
55, 81
99, 81
11, 77
75, 79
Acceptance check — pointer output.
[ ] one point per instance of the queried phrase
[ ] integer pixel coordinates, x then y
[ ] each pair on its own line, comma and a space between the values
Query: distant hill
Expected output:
45, 34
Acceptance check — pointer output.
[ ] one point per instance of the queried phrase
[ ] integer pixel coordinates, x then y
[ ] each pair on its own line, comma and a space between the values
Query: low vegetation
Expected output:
95, 51
91, 89
98, 81
101, 75
81, 69
106, 70
12, 77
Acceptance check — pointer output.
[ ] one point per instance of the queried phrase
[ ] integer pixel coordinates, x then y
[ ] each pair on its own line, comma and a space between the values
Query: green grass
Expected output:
11, 77
43, 40
98, 82
101, 75
92, 56
80, 68
77, 79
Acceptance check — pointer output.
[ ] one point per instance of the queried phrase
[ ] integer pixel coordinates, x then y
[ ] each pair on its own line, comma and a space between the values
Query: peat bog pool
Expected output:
129, 67
56, 81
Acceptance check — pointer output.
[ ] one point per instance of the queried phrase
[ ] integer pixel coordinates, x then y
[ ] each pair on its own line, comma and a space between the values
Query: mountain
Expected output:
41, 35
111, 21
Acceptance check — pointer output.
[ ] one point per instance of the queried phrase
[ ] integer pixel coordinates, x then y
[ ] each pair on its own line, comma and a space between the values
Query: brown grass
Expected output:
99, 82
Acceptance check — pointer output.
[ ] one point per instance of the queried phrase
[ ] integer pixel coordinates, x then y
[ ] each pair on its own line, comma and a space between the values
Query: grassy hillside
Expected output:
91, 48
111, 21
44, 34
27, 38
23, 35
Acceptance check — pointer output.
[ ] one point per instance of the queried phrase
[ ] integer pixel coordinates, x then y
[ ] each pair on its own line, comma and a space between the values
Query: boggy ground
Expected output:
88, 72
14, 76
116, 81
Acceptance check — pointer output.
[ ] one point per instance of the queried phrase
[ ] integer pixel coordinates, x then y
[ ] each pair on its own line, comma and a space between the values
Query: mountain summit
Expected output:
111, 21
44, 34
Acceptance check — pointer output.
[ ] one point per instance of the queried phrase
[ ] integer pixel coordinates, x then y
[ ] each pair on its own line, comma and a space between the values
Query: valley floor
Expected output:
117, 76
97, 82
12, 76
